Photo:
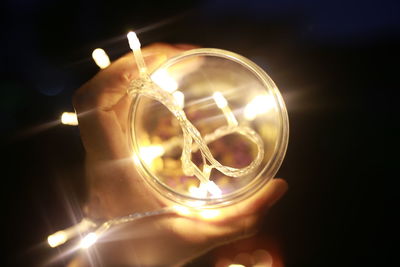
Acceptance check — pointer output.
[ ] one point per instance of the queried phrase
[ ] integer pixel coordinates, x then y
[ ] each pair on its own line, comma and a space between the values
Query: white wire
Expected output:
192, 139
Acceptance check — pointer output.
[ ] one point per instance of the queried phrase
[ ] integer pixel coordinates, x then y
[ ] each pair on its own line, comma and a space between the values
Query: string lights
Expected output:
160, 86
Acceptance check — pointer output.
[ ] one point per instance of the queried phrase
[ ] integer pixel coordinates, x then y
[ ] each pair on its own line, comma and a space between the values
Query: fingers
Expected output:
107, 87
102, 104
232, 222
268, 196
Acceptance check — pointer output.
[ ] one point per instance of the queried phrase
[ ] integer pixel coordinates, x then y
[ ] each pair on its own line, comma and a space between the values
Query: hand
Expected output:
116, 189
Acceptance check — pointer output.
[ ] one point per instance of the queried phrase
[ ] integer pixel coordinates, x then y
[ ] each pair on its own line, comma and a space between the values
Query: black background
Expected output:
335, 63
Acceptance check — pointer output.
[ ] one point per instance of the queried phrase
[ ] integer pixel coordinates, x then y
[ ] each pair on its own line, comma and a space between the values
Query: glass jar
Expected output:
217, 91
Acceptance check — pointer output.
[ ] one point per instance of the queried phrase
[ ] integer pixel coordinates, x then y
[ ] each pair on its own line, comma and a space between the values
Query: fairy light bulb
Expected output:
88, 240
63, 236
134, 44
179, 98
149, 153
220, 100
133, 41
101, 58
181, 210
222, 103
69, 118
209, 214
164, 80
57, 239
258, 105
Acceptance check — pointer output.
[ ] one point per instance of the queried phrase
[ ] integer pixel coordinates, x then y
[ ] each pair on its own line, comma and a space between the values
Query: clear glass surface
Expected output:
197, 79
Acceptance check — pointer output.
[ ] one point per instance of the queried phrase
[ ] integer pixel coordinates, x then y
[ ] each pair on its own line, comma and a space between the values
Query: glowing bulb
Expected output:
149, 153
181, 210
133, 40
88, 240
134, 44
220, 100
101, 58
63, 236
179, 98
236, 265
136, 159
164, 80
209, 214
214, 189
259, 105
57, 239
208, 186
69, 118
198, 192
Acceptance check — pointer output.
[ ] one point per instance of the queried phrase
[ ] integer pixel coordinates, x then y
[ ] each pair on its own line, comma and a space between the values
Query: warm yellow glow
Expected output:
162, 78
236, 265
149, 153
101, 58
209, 214
63, 236
198, 192
136, 159
88, 240
220, 100
179, 98
134, 43
69, 118
181, 210
259, 105
57, 239
213, 189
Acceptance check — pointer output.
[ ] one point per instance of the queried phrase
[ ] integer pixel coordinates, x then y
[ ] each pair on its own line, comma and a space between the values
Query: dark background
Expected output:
335, 63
